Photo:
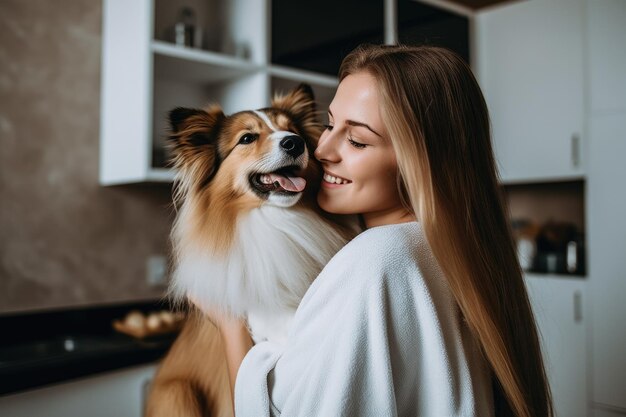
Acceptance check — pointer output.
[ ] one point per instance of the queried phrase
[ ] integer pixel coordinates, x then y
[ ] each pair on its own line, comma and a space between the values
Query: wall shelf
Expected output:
303, 76
165, 175
198, 65
145, 74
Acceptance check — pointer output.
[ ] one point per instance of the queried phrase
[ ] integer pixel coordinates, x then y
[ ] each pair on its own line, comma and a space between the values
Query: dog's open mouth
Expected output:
285, 180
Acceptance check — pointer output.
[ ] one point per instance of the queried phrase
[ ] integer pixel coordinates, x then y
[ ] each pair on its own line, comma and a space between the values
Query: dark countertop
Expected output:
45, 347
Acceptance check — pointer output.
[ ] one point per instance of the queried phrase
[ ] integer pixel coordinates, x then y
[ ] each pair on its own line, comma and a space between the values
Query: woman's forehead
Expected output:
358, 89
357, 99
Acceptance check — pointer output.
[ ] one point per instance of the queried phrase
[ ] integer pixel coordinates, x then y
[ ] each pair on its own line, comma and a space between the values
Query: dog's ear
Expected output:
185, 122
299, 103
194, 140
180, 117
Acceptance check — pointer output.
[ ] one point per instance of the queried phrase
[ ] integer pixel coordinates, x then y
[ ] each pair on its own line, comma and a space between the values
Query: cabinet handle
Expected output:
575, 150
578, 308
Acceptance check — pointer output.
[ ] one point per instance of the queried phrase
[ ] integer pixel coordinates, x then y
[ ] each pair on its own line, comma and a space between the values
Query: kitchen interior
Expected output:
87, 206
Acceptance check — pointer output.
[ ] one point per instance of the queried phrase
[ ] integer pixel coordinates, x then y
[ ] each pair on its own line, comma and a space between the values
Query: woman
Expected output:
425, 312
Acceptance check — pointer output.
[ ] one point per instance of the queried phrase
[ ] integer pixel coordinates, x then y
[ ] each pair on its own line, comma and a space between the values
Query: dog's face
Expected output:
254, 157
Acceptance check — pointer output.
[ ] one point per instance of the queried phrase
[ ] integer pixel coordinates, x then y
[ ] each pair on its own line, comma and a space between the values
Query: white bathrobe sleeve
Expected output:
371, 337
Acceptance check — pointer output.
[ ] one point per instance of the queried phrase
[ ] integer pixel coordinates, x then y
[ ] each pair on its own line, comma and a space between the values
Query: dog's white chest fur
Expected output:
276, 254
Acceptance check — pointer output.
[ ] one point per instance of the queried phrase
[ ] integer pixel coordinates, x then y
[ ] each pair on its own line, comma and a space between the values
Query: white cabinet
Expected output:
530, 60
143, 77
120, 393
559, 306
551, 70
606, 203
606, 28
607, 257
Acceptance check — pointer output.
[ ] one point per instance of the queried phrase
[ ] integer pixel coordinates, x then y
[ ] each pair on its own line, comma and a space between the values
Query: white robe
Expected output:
378, 333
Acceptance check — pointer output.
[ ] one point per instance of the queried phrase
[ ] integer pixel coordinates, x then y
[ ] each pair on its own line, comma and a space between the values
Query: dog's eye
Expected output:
248, 138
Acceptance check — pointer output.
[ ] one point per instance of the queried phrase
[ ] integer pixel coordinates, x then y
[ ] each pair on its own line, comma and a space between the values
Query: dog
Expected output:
248, 238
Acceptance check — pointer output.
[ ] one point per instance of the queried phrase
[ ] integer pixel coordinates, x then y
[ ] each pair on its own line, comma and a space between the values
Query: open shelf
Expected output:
196, 65
165, 175
548, 217
303, 76
317, 35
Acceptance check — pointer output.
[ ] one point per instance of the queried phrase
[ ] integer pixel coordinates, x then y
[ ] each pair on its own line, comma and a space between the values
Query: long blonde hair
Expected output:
437, 118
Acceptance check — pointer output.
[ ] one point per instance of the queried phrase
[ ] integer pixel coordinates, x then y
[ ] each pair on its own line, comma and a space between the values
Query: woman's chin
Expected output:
331, 205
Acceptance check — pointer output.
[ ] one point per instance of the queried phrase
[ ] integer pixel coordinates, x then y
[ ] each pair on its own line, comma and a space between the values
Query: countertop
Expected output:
46, 347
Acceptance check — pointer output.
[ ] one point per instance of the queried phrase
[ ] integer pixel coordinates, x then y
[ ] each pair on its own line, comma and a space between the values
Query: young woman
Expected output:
424, 313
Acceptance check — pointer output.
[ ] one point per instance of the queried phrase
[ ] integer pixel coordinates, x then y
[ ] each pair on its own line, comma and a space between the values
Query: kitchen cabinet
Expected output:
251, 49
606, 32
120, 393
607, 263
607, 203
560, 68
559, 305
530, 61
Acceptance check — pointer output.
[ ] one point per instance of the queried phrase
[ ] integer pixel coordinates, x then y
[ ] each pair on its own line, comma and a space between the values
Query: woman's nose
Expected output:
326, 150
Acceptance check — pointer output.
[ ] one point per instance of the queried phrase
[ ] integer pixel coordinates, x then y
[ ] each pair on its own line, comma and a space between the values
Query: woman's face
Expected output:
358, 159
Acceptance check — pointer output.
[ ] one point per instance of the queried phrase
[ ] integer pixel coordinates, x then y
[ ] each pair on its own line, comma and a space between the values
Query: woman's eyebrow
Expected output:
355, 123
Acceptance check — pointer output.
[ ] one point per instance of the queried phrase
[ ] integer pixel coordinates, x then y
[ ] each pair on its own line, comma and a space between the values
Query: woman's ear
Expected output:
194, 139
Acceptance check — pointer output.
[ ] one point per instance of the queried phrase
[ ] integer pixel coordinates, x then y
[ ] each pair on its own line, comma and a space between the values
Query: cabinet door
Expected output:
119, 393
606, 31
607, 260
125, 91
530, 67
558, 307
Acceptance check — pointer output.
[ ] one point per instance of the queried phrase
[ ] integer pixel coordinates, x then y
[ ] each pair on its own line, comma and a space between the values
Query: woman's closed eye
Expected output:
354, 143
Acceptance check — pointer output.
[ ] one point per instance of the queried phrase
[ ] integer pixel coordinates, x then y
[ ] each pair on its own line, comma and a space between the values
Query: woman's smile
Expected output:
331, 180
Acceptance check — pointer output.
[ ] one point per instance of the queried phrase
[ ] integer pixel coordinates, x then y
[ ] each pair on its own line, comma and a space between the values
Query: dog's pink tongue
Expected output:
294, 184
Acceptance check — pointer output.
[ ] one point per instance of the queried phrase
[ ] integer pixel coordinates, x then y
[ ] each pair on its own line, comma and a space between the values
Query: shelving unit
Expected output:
559, 300
240, 63
144, 76
551, 214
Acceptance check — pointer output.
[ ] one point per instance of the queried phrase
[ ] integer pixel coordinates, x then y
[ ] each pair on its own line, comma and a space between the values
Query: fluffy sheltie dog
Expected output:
248, 237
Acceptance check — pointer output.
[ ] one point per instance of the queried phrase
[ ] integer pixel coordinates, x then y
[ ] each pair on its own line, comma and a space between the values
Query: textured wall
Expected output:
64, 240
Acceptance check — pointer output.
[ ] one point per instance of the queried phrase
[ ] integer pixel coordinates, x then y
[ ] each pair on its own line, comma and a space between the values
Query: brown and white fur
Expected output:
248, 239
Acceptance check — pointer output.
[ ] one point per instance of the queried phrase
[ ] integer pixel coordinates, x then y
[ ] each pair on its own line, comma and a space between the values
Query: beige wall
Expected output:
64, 240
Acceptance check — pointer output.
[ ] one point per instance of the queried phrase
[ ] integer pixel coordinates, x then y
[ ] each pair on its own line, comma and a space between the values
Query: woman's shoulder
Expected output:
384, 244
394, 257
397, 257
377, 254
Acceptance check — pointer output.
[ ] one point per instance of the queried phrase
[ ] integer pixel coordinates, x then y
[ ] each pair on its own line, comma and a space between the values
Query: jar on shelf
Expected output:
186, 31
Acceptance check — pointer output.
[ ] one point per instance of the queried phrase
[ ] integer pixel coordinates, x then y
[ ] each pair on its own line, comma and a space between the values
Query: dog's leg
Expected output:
193, 379
176, 398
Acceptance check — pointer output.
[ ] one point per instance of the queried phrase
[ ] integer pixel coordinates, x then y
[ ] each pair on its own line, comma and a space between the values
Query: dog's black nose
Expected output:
293, 145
